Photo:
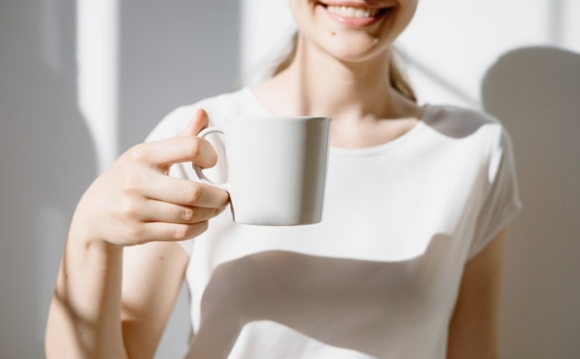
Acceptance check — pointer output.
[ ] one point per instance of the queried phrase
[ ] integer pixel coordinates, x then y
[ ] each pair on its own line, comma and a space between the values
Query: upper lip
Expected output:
360, 4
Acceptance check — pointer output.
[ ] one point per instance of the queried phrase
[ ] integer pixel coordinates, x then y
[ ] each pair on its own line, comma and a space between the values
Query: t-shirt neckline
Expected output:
361, 151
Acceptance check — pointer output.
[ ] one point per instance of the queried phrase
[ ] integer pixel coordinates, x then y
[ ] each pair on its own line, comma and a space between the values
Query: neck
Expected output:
321, 85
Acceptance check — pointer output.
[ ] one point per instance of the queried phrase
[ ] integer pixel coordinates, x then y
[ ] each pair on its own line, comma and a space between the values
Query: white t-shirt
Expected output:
379, 276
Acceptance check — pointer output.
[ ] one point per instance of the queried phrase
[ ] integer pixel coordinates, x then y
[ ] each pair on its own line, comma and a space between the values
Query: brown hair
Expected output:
398, 80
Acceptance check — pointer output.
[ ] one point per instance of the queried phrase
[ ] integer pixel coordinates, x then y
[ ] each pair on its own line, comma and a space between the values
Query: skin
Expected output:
473, 331
122, 270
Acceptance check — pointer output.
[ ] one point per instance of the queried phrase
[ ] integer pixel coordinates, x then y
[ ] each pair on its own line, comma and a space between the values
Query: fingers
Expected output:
184, 192
160, 221
185, 147
161, 231
164, 208
157, 211
175, 150
199, 121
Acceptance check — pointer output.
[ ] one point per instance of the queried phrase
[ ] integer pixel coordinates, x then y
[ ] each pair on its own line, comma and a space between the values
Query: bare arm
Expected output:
99, 310
114, 319
473, 331
152, 277
86, 306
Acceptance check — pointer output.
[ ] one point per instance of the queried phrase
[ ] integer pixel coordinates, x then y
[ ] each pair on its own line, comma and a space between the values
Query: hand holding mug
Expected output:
135, 201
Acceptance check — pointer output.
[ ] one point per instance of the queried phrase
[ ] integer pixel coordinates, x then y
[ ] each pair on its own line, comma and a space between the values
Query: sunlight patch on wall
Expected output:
98, 66
267, 26
570, 25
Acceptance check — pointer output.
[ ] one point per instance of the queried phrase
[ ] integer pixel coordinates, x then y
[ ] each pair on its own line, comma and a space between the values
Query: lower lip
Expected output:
355, 21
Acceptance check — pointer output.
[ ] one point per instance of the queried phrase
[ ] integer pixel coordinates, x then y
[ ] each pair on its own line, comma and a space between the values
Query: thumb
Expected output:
199, 121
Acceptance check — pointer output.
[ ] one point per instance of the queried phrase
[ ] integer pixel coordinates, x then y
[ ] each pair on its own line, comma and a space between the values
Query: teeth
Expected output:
347, 11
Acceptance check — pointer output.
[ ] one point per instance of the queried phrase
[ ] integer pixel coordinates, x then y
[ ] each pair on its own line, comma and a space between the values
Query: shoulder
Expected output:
456, 122
459, 121
216, 106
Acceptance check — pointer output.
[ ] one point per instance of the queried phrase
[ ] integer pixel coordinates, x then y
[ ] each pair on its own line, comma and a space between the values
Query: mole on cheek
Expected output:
333, 33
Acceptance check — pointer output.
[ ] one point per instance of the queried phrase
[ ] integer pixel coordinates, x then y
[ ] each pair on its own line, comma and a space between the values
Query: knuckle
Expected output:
130, 183
181, 232
137, 153
188, 214
135, 232
194, 147
193, 193
129, 209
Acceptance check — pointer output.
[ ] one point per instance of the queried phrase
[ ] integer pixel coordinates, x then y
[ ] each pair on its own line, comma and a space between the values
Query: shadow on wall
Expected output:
47, 160
534, 91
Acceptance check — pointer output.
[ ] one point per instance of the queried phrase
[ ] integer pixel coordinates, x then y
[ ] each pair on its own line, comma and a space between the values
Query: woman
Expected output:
405, 264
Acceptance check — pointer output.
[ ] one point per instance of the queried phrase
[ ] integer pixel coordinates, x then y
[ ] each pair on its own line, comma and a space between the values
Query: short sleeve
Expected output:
501, 202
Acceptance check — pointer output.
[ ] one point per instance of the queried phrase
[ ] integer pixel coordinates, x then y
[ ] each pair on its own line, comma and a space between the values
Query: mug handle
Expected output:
198, 169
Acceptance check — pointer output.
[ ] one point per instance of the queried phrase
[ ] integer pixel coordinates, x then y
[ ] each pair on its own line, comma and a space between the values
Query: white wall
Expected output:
177, 51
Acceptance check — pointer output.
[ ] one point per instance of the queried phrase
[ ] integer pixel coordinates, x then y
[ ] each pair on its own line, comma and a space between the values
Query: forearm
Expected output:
85, 314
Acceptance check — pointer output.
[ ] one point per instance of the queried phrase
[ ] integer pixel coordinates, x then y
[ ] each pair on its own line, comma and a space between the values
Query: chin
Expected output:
353, 49
352, 30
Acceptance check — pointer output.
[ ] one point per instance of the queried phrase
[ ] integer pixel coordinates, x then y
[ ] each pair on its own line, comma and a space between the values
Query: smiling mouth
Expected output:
356, 12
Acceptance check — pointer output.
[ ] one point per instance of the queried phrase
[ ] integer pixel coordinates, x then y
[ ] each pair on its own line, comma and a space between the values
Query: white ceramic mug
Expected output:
276, 168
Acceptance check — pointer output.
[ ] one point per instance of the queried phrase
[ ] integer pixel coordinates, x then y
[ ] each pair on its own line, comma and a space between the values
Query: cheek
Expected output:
302, 10
302, 16
401, 19
406, 13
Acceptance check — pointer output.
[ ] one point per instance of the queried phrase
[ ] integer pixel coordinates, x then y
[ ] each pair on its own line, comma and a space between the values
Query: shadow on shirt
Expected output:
371, 307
